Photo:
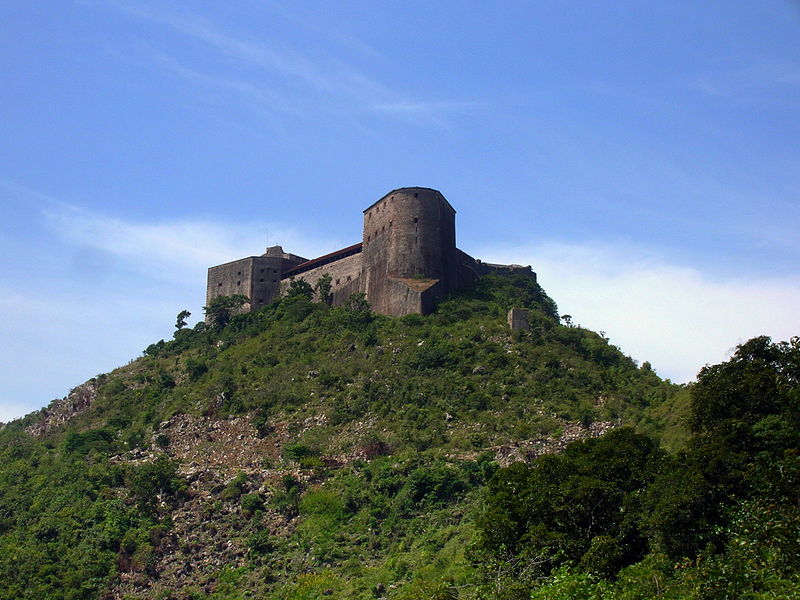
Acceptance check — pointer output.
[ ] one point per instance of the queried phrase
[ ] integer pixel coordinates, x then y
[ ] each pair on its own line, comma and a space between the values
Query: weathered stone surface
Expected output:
61, 411
518, 319
406, 262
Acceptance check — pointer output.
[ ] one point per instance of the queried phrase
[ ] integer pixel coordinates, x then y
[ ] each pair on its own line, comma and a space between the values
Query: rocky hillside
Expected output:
304, 451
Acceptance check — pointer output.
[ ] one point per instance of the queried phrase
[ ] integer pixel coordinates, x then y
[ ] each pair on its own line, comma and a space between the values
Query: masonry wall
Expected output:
230, 279
345, 277
265, 280
257, 277
409, 234
407, 260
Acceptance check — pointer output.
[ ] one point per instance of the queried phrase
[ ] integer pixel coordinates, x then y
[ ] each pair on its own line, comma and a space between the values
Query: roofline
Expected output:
230, 262
403, 189
310, 263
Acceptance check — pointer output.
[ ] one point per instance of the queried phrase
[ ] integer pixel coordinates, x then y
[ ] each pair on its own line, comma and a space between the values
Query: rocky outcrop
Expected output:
60, 411
527, 450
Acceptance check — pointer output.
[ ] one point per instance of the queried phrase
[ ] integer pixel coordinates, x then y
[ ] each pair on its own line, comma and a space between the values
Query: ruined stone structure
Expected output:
518, 319
406, 262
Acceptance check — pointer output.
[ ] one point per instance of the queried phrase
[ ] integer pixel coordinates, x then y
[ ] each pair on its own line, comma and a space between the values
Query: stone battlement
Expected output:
406, 262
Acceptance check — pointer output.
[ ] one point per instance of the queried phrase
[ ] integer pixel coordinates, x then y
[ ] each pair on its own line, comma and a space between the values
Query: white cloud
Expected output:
59, 329
676, 317
177, 249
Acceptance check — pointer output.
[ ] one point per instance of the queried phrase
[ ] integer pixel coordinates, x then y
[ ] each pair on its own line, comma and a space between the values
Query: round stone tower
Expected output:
409, 235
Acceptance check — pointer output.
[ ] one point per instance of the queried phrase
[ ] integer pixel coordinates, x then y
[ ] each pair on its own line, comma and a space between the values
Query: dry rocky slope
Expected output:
211, 452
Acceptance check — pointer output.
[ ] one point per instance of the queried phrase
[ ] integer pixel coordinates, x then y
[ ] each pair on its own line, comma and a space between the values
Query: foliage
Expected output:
718, 520
300, 287
578, 507
323, 289
222, 308
180, 321
422, 401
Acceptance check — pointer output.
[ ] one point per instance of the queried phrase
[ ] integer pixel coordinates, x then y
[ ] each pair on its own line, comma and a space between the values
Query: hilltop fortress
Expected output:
406, 261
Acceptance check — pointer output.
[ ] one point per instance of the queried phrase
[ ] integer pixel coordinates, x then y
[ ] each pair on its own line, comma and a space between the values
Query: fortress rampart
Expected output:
406, 262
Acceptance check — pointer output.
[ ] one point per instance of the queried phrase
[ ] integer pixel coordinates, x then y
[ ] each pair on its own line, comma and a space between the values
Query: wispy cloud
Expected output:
327, 76
257, 96
674, 316
75, 327
759, 82
175, 249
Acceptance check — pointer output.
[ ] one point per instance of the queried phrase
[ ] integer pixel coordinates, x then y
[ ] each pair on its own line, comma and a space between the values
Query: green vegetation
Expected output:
616, 518
375, 473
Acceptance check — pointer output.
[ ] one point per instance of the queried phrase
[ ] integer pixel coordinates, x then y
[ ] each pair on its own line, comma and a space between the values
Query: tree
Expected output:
745, 419
300, 287
181, 320
578, 507
221, 309
323, 289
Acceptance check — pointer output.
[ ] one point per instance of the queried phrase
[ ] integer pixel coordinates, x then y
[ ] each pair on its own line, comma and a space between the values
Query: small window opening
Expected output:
262, 279
416, 195
348, 278
219, 284
337, 281
238, 283
416, 219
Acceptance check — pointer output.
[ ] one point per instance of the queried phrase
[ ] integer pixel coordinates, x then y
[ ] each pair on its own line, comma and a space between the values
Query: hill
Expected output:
304, 451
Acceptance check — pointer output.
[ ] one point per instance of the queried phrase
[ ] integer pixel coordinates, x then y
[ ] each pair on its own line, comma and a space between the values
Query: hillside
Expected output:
303, 451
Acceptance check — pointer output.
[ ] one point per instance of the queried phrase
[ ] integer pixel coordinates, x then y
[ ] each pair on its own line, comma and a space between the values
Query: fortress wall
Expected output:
415, 228
230, 279
406, 262
487, 268
408, 234
345, 277
265, 281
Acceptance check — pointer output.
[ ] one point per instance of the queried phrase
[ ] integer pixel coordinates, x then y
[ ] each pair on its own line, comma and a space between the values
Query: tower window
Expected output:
416, 195
262, 279
219, 284
337, 281
238, 283
416, 219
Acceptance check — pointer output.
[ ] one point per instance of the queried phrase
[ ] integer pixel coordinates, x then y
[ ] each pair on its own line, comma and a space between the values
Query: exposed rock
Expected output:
527, 450
60, 411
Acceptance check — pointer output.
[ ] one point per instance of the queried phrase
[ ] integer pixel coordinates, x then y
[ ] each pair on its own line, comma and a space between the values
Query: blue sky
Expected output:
643, 157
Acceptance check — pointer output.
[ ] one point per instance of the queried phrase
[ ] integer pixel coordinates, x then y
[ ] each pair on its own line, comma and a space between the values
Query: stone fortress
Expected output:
406, 261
